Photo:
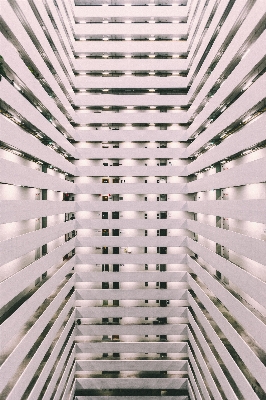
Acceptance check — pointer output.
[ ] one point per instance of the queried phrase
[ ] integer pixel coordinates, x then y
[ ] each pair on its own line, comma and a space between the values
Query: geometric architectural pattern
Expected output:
133, 221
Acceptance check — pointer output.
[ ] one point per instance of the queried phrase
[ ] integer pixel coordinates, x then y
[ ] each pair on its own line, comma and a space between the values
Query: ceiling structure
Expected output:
139, 126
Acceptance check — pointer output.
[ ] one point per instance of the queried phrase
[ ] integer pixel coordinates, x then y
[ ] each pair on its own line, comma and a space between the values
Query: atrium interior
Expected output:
133, 222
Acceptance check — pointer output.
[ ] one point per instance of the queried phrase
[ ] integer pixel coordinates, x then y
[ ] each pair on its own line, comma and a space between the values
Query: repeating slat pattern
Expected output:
132, 186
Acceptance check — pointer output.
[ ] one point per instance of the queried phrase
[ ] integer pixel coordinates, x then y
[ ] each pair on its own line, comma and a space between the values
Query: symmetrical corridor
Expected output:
133, 241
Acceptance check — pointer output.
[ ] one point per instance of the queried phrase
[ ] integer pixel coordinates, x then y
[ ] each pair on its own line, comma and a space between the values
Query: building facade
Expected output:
133, 241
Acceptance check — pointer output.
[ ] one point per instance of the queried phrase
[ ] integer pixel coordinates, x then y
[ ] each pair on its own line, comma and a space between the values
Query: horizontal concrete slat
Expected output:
132, 397
16, 283
14, 136
13, 59
20, 245
210, 356
168, 329
247, 246
136, 294
124, 152
28, 373
69, 385
130, 206
203, 365
131, 171
131, 258
134, 46
122, 135
20, 210
245, 352
176, 30
173, 11
32, 52
60, 368
131, 365
193, 390
130, 347
132, 81
236, 76
90, 99
124, 223
252, 172
243, 31
246, 101
170, 241
20, 175
53, 358
227, 358
250, 322
24, 108
247, 210
66, 372
62, 65
12, 326
248, 283
132, 188
11, 364
109, 312
250, 135
136, 276
197, 375
134, 383
131, 118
